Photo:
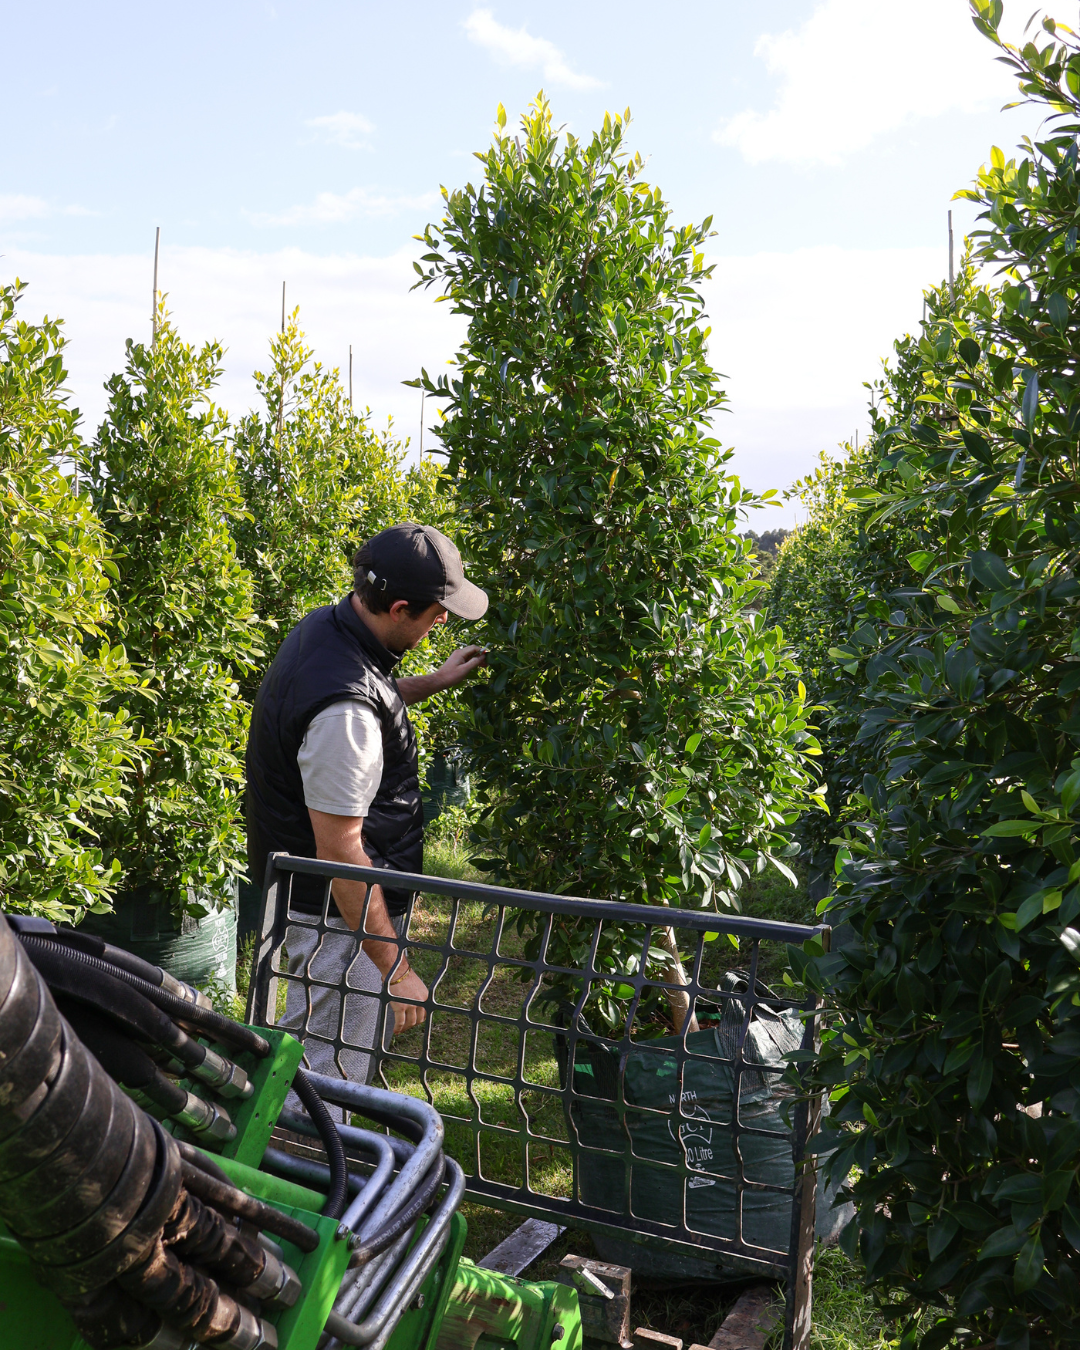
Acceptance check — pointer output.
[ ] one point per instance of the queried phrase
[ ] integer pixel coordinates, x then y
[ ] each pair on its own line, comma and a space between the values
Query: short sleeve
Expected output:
341, 759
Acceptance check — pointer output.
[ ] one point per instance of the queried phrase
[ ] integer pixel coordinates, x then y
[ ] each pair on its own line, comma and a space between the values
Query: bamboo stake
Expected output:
281, 405
423, 395
350, 376
153, 307
952, 291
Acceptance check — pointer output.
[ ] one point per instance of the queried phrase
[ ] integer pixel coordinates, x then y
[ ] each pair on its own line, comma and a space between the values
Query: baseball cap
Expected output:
418, 562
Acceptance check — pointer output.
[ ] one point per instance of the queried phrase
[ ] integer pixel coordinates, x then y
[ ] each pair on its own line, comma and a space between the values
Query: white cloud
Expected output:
518, 47
332, 208
857, 69
19, 206
796, 334
349, 130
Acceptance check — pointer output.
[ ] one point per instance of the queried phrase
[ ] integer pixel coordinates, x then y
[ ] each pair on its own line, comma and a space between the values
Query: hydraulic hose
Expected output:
92, 1188
207, 1019
419, 1203
97, 946
313, 1104
225, 1196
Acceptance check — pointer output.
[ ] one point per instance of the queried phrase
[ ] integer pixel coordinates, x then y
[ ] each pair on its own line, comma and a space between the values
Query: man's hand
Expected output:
457, 667
460, 665
409, 985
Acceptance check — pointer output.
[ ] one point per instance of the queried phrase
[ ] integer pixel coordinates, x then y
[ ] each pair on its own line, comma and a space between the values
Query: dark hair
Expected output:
374, 599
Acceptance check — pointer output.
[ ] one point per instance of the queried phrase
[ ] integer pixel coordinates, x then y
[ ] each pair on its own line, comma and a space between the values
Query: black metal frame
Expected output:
794, 1265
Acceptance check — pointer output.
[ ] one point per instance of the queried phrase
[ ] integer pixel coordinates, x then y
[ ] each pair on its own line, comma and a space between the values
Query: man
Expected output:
332, 773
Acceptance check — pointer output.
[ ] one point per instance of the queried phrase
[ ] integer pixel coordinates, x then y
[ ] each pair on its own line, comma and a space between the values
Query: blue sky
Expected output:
307, 142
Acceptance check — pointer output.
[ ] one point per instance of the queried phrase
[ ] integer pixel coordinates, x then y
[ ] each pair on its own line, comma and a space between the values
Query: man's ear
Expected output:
398, 610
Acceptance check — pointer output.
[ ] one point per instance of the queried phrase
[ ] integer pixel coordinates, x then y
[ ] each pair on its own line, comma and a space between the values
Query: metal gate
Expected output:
537, 1104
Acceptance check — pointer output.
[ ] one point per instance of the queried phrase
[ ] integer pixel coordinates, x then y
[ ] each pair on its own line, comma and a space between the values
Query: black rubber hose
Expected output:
88, 980
420, 1201
120, 1057
207, 1019
314, 1105
198, 1158
224, 1196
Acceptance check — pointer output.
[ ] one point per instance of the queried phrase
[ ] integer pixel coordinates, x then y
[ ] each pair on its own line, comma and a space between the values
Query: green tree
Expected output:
954, 1060
63, 754
163, 482
317, 480
634, 734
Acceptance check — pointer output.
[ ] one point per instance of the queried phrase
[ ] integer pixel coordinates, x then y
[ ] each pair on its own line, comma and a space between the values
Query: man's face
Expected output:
409, 632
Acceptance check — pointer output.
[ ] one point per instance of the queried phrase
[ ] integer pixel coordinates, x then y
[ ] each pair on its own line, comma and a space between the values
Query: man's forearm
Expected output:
340, 839
416, 688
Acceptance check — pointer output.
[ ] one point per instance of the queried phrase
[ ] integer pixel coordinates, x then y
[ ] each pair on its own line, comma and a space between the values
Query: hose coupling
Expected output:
277, 1283
168, 1338
179, 989
223, 1076
206, 1119
252, 1334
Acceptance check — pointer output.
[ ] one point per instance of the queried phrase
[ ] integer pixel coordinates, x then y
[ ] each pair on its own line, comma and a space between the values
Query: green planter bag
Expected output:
651, 1075
195, 950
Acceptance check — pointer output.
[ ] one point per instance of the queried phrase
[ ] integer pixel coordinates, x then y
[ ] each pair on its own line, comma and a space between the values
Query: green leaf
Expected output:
692, 742
1029, 1265
1008, 829
1029, 407
979, 1080
991, 570
1004, 1242
941, 1234
675, 796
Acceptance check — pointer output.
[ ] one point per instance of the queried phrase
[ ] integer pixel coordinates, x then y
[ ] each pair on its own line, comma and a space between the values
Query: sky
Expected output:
307, 143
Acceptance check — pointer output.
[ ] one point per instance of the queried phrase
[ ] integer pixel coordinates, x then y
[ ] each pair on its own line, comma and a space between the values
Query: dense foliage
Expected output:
954, 1060
634, 733
62, 753
163, 483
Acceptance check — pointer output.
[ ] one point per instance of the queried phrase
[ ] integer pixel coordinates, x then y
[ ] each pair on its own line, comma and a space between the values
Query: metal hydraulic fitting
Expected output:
252, 1334
223, 1076
277, 1283
206, 1119
168, 1338
179, 989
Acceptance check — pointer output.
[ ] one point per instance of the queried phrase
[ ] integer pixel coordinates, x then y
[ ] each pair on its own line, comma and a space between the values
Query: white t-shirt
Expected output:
341, 759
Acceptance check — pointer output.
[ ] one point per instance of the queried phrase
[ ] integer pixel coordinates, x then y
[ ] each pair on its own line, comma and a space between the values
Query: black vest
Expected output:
330, 656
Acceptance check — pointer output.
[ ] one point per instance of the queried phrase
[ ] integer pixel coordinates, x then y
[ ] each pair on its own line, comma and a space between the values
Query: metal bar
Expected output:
574, 906
358, 1095
410, 1274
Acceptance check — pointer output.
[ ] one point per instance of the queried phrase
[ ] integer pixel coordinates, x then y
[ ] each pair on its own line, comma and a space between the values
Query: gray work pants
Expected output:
346, 972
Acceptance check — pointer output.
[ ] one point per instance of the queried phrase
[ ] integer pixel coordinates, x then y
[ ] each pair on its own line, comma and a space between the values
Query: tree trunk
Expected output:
678, 1001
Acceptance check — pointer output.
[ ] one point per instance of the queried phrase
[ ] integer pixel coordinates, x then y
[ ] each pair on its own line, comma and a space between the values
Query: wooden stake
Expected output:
952, 291
153, 308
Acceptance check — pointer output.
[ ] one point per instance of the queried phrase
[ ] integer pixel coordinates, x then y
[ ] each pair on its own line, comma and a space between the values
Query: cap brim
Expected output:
467, 601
